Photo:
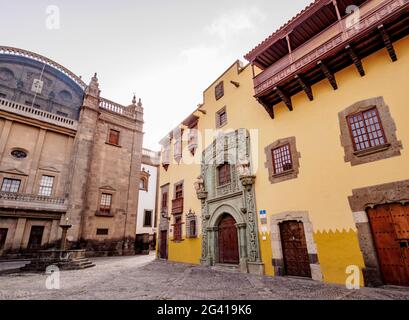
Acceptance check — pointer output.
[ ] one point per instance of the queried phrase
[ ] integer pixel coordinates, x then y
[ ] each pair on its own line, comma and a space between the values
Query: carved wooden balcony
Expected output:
343, 43
177, 206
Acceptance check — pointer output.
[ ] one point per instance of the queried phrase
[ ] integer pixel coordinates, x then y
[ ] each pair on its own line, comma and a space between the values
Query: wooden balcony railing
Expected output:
177, 206
340, 34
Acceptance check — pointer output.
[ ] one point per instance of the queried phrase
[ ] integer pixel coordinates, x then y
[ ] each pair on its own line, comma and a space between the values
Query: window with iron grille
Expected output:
221, 117
46, 186
366, 129
102, 232
224, 174
147, 219
113, 137
177, 229
10, 185
106, 201
282, 161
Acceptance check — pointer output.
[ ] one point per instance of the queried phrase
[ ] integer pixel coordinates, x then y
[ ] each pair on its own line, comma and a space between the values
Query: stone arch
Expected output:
223, 209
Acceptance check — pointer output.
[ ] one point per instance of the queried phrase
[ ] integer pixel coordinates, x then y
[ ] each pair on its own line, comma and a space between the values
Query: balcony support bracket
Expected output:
286, 99
356, 60
269, 109
388, 43
306, 87
328, 74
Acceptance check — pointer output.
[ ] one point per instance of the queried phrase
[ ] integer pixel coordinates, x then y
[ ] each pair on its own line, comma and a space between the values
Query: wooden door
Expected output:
390, 230
3, 236
228, 241
163, 244
295, 253
36, 236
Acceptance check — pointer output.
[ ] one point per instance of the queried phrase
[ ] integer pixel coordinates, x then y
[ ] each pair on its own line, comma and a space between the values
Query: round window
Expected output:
19, 154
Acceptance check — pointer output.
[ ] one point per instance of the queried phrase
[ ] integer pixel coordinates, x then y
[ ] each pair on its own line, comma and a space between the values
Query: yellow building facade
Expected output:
298, 178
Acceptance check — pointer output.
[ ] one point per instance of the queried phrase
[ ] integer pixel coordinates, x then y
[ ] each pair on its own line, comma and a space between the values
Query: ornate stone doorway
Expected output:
226, 190
228, 241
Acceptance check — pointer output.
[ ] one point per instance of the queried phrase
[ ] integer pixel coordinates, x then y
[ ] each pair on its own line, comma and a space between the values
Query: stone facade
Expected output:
64, 134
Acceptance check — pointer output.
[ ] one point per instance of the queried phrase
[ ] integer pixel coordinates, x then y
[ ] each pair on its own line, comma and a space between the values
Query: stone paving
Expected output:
143, 277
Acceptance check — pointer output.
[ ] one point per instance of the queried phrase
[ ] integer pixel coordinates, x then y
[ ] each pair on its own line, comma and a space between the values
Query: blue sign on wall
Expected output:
263, 212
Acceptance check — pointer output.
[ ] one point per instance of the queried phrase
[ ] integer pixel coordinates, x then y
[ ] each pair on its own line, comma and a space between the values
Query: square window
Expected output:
282, 161
102, 232
368, 133
10, 185
46, 186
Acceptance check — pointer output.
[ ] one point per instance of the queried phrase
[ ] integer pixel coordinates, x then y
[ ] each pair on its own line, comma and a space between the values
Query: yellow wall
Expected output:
325, 180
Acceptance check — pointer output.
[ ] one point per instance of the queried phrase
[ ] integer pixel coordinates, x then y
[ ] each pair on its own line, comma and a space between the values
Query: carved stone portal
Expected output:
236, 199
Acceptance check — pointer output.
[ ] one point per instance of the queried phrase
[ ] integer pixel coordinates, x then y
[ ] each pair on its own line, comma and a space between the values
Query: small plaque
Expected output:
37, 86
263, 220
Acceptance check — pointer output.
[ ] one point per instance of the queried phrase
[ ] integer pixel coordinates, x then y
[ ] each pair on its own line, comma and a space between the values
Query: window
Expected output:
368, 132
102, 232
219, 90
366, 129
282, 159
191, 229
62, 114
179, 191
142, 184
147, 219
164, 201
3, 236
113, 137
177, 147
46, 186
224, 175
193, 137
221, 117
35, 105
105, 204
3, 95
10, 185
177, 229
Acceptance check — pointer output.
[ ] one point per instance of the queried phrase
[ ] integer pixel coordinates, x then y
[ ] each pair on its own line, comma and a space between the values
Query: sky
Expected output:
166, 52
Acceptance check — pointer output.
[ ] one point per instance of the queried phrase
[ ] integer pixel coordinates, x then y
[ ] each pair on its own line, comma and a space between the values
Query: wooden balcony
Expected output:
177, 206
342, 44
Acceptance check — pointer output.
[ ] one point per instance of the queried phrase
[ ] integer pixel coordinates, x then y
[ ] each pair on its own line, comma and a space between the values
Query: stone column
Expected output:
19, 234
241, 229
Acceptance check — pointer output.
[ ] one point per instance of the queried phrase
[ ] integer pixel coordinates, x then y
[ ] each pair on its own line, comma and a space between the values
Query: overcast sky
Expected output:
166, 51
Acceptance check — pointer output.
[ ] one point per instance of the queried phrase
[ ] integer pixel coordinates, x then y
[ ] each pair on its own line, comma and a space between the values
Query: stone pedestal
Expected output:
63, 259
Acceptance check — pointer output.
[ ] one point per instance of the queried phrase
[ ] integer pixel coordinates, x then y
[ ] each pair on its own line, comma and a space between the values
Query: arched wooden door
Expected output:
228, 241
294, 245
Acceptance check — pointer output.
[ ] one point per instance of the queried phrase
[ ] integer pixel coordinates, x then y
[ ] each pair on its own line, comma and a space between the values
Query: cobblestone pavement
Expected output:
143, 277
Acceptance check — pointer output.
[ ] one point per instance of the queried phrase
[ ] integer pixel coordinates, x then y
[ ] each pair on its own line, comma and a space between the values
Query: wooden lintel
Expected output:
306, 87
286, 99
269, 109
388, 43
356, 60
328, 74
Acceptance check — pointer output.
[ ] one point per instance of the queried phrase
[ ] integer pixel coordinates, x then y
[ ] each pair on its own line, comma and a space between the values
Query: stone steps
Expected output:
226, 268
